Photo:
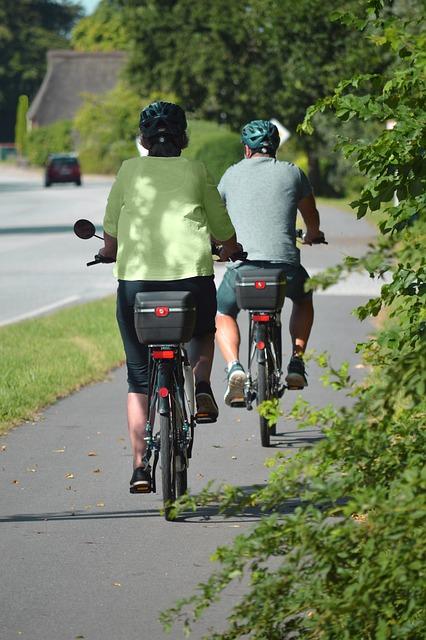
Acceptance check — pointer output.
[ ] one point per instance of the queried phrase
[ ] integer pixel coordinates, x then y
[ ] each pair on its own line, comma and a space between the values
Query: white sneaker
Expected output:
234, 395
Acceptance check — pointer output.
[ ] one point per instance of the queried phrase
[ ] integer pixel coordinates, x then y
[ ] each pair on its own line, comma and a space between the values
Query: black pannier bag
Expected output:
260, 289
164, 317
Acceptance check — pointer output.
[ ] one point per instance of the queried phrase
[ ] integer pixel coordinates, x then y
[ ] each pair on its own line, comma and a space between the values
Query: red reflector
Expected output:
163, 392
163, 355
260, 345
261, 317
161, 312
260, 284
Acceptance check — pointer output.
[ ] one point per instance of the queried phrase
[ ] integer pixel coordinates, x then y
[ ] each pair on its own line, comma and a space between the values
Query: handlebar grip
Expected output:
100, 259
320, 240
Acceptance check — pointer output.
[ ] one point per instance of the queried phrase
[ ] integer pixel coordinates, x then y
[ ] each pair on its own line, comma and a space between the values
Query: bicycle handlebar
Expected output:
301, 234
100, 259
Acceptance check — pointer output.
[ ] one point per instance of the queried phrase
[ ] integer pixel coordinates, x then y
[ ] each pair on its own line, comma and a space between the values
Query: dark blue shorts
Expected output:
296, 277
204, 292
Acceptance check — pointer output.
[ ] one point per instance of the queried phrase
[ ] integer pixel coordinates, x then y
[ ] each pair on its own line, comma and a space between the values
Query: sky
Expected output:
89, 5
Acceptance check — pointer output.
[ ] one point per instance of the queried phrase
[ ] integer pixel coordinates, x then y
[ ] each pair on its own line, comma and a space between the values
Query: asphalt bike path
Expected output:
81, 557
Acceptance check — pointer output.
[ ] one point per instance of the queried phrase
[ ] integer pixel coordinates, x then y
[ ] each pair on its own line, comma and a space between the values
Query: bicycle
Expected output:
164, 321
261, 291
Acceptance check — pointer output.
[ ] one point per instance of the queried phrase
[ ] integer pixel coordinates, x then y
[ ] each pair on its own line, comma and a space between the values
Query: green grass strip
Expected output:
47, 358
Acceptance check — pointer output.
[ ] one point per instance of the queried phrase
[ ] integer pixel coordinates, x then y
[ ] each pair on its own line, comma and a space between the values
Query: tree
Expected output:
21, 125
104, 30
233, 62
27, 30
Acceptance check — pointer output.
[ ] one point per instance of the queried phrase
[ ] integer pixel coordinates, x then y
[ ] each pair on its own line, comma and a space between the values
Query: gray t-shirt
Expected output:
261, 195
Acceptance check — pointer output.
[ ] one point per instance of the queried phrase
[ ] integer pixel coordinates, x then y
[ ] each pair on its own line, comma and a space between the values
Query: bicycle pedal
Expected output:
141, 489
204, 418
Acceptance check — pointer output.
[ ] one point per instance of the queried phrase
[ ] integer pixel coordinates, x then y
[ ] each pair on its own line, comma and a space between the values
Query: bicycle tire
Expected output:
181, 477
168, 466
261, 396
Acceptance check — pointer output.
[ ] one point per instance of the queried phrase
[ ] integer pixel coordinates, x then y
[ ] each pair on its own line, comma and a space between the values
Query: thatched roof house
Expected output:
69, 74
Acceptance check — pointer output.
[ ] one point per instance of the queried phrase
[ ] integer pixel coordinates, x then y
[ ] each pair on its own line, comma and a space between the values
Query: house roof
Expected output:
68, 75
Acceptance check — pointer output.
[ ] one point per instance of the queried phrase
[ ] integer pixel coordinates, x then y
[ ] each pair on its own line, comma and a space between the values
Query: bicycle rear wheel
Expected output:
168, 464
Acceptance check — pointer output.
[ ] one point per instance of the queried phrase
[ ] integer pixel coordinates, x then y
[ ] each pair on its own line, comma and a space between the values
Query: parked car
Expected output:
62, 168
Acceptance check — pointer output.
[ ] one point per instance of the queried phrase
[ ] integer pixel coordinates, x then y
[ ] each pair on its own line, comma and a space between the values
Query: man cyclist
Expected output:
262, 196
161, 211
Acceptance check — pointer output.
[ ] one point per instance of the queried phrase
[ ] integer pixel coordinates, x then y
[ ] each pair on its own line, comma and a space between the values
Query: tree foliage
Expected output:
233, 62
27, 30
348, 562
21, 125
103, 30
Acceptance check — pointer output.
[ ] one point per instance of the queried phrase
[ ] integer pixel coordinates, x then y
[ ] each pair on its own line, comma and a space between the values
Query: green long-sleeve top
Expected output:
162, 212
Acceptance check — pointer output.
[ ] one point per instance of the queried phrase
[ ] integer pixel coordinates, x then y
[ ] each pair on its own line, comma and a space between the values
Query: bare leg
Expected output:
137, 409
228, 337
200, 352
301, 321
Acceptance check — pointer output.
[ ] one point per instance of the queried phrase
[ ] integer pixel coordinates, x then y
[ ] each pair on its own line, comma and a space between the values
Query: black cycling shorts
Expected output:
204, 292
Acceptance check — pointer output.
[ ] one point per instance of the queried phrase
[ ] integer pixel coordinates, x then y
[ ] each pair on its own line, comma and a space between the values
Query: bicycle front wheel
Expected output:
262, 395
168, 464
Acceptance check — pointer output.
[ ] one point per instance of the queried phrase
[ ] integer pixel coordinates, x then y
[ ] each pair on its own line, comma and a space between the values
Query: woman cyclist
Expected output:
161, 212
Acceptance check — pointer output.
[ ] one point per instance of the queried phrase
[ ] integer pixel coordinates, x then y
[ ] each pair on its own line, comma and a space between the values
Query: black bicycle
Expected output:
261, 291
164, 321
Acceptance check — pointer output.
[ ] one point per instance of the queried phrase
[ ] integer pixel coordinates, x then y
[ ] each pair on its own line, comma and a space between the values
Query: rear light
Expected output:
163, 355
260, 345
261, 317
260, 284
162, 312
163, 392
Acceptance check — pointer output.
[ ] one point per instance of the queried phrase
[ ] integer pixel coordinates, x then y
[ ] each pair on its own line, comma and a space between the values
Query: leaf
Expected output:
92, 454
70, 476
100, 504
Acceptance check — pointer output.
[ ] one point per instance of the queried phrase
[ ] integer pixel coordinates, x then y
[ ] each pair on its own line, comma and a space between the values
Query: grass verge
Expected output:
47, 358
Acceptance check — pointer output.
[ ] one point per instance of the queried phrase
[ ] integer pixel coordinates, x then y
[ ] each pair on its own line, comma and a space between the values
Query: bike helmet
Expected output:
261, 135
162, 117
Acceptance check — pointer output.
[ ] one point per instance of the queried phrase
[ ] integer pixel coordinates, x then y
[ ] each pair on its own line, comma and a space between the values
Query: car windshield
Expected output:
60, 162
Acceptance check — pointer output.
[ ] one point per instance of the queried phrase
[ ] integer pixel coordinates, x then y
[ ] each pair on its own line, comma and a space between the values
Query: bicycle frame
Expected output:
169, 396
264, 345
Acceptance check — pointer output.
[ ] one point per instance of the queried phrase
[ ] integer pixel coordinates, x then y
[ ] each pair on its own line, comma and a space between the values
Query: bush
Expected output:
54, 138
213, 144
348, 562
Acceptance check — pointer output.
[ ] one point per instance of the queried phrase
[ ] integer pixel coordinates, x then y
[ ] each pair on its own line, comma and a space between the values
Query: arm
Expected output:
310, 215
109, 250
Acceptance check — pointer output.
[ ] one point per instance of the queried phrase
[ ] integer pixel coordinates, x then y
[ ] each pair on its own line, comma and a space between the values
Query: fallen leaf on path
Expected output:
217, 446
200, 475
68, 488
15, 481
116, 584
3, 447
97, 471
92, 454
238, 420
98, 433
31, 469
58, 450
100, 504
233, 457
360, 366
69, 475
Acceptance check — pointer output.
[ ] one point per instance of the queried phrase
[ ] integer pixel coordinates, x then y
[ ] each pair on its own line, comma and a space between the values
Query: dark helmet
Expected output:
261, 134
160, 117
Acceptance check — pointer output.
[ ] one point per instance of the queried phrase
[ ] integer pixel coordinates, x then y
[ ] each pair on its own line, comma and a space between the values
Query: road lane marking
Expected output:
40, 310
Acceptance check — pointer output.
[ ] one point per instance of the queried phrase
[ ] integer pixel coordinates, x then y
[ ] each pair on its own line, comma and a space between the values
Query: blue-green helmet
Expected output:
160, 117
261, 135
